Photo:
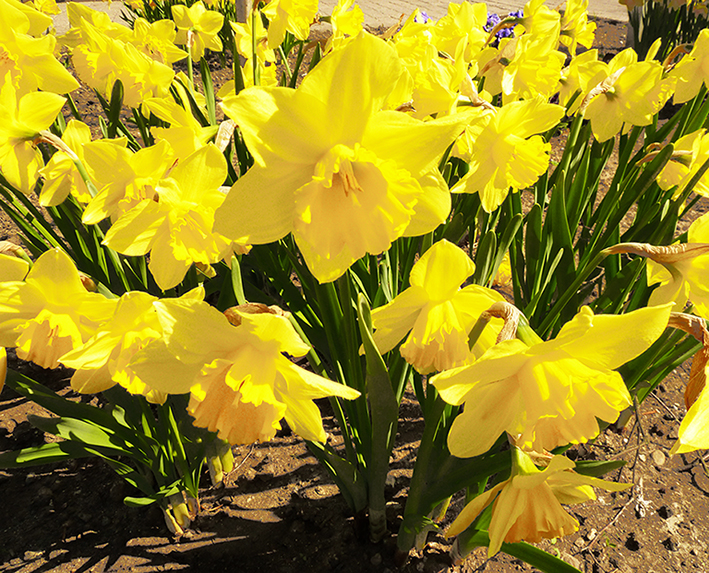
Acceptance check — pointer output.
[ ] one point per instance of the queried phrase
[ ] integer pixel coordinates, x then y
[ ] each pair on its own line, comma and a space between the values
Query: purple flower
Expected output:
421, 18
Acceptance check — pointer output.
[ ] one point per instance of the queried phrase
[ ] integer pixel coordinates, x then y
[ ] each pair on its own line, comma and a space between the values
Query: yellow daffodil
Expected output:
437, 312
533, 71
185, 134
103, 360
266, 57
632, 93
30, 61
175, 225
294, 16
577, 76
77, 12
550, 393
344, 177
505, 152
123, 178
61, 177
241, 383
100, 60
22, 18
681, 270
197, 28
157, 40
347, 19
541, 21
21, 120
575, 27
464, 21
691, 152
50, 312
527, 506
693, 70
694, 429
12, 268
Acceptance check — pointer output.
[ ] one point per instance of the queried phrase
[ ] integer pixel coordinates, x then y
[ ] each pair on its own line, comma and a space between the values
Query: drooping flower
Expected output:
241, 383
504, 151
344, 177
50, 312
60, 174
198, 28
527, 506
690, 153
436, 313
550, 393
693, 70
175, 225
22, 118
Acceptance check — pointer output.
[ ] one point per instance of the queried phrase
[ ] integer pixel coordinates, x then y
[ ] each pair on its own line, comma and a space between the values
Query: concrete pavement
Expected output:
385, 12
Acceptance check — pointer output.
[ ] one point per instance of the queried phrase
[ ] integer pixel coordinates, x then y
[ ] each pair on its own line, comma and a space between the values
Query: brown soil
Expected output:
279, 511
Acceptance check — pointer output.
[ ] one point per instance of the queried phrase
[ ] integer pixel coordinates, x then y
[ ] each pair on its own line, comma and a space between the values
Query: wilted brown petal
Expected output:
507, 312
697, 327
233, 314
669, 254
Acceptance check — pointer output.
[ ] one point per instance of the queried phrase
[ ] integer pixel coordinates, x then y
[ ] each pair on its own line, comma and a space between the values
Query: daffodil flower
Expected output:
61, 177
575, 27
30, 61
294, 16
198, 28
436, 313
185, 134
100, 60
241, 383
504, 151
631, 93
680, 271
175, 225
693, 433
527, 506
549, 394
344, 177
102, 362
50, 312
21, 120
123, 178
691, 152
23, 18
693, 70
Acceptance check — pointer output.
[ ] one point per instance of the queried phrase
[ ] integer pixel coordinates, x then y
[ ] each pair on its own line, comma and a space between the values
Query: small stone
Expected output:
642, 457
376, 559
591, 534
570, 560
579, 542
658, 457
44, 493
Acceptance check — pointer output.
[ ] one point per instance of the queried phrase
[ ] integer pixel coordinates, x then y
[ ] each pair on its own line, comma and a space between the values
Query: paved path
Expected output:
387, 12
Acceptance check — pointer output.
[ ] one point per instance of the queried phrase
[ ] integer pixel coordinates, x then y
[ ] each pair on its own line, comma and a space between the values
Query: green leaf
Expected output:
598, 468
44, 454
